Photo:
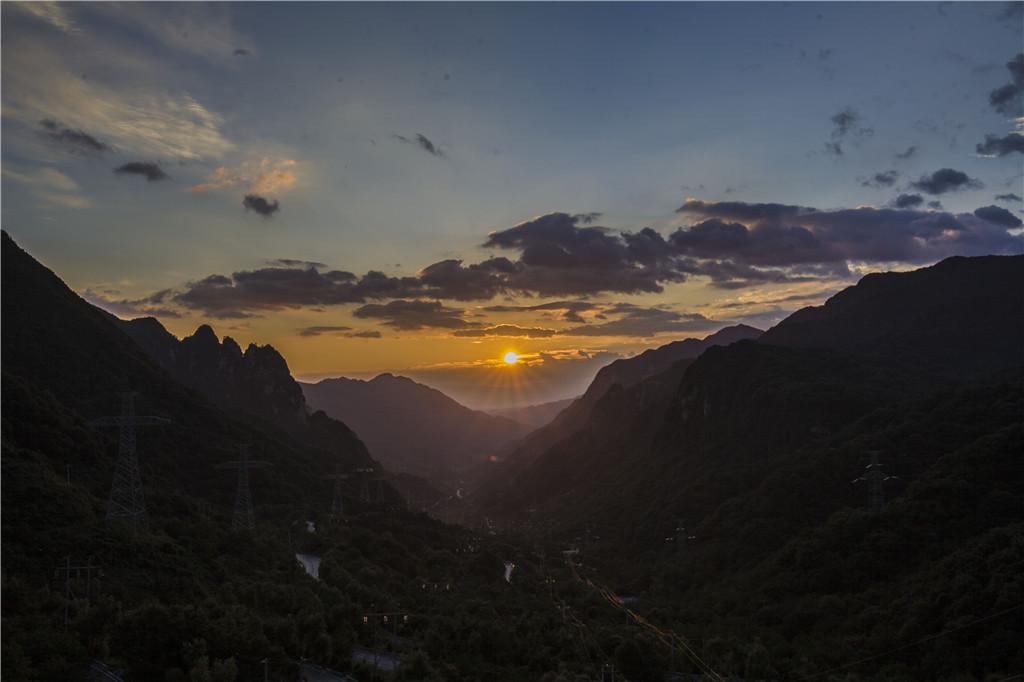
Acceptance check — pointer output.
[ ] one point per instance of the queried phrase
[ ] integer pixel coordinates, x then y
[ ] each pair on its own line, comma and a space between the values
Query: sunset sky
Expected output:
422, 188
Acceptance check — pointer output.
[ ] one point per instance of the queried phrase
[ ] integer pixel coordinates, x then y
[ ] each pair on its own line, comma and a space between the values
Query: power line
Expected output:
915, 643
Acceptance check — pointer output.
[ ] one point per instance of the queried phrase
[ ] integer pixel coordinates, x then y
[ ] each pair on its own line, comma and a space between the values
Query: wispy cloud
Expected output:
52, 186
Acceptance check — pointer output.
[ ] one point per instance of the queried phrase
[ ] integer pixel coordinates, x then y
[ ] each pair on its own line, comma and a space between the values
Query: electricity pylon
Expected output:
72, 574
875, 479
243, 518
127, 500
338, 503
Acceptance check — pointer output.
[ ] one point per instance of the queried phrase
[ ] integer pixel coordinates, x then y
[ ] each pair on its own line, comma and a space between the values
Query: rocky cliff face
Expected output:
256, 381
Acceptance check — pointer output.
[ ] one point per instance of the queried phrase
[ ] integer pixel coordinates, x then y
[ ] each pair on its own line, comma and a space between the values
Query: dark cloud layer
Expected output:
75, 141
1009, 198
994, 145
732, 244
318, 331
265, 207
151, 171
945, 180
422, 142
558, 257
637, 321
998, 215
570, 310
908, 201
1009, 99
883, 179
410, 315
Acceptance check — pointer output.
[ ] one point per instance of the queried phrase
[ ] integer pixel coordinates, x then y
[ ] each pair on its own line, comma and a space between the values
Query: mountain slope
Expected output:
960, 317
411, 427
625, 373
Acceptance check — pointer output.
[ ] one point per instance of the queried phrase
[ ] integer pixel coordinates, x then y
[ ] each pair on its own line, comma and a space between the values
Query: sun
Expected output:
510, 358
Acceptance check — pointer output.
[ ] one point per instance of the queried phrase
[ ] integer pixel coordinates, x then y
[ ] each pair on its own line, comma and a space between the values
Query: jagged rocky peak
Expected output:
205, 334
266, 357
232, 347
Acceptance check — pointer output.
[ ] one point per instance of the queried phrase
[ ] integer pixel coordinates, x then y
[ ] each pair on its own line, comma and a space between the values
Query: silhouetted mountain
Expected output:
534, 415
960, 317
190, 599
413, 428
883, 340
255, 382
738, 483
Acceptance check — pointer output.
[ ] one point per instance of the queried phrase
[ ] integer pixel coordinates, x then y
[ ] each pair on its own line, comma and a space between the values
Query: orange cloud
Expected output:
267, 176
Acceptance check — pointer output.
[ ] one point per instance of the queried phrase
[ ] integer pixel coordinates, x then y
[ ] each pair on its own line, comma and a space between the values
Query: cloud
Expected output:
264, 207
197, 29
637, 321
364, 334
318, 331
1009, 198
587, 218
51, 186
906, 154
240, 52
846, 125
410, 315
945, 180
151, 171
266, 176
998, 215
1009, 99
508, 330
295, 263
422, 142
74, 141
733, 244
807, 242
52, 13
570, 309
147, 306
880, 180
43, 80
908, 201
1001, 146
557, 257
742, 211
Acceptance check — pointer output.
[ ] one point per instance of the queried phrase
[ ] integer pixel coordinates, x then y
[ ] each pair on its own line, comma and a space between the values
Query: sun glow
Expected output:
511, 358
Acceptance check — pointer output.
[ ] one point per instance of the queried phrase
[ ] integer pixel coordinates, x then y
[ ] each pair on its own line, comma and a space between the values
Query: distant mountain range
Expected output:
533, 415
413, 428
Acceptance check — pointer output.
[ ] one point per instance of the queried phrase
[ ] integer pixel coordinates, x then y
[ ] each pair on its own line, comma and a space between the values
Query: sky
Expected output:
422, 188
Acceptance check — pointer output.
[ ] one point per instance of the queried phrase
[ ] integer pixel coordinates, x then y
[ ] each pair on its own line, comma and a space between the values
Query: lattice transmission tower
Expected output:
876, 480
127, 500
338, 503
243, 518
